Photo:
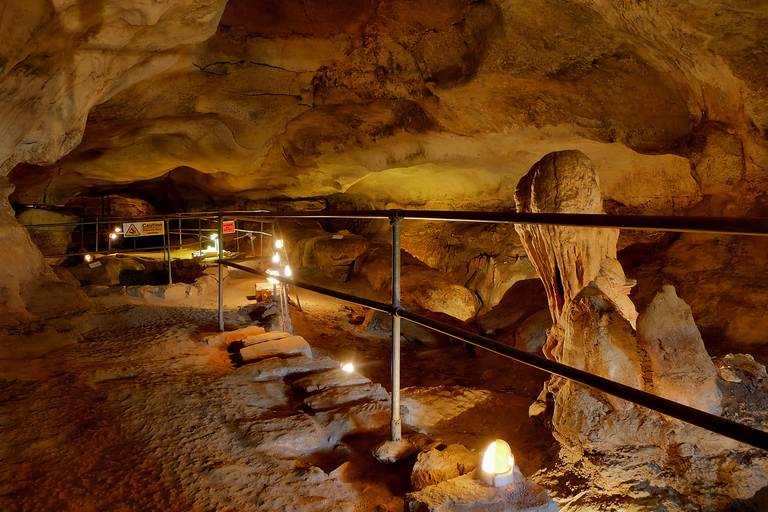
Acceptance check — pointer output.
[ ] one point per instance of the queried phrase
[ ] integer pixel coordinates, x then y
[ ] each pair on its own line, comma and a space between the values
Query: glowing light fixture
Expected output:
113, 236
272, 279
118, 229
276, 258
498, 467
348, 367
88, 258
287, 271
215, 246
279, 243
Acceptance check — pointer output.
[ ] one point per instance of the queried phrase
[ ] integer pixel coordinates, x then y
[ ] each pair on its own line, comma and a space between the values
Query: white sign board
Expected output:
143, 228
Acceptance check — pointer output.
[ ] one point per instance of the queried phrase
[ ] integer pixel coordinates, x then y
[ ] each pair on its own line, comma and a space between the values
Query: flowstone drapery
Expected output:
596, 327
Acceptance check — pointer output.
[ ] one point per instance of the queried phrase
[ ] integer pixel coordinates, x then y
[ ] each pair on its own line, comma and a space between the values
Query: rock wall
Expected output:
29, 290
57, 61
596, 329
403, 104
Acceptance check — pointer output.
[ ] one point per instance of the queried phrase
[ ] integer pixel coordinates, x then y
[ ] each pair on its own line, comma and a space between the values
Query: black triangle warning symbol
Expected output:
132, 231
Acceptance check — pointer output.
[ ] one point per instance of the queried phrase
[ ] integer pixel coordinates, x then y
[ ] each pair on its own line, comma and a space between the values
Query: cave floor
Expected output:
124, 408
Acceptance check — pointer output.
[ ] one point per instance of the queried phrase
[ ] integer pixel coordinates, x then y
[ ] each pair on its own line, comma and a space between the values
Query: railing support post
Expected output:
396, 425
221, 281
167, 238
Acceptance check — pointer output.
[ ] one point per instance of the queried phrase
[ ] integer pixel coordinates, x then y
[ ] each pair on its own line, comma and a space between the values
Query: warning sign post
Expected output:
143, 228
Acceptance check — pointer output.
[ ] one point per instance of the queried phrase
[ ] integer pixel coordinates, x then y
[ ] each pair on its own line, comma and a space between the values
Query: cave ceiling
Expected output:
436, 103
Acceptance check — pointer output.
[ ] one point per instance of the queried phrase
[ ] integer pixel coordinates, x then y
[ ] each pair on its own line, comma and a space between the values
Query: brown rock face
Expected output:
404, 104
594, 319
568, 259
29, 290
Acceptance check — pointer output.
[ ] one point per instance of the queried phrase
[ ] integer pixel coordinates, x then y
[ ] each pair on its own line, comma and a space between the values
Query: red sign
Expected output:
228, 226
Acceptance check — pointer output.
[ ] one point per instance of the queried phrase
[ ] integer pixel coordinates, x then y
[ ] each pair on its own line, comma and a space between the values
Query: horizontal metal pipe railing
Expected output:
208, 217
722, 225
707, 421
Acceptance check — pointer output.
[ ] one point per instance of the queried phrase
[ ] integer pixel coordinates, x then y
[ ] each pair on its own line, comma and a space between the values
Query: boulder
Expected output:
466, 494
681, 369
421, 285
105, 270
52, 240
338, 396
282, 347
390, 452
441, 464
277, 368
328, 380
227, 337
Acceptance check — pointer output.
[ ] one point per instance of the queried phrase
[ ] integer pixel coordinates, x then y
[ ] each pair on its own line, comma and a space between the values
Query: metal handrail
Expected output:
717, 424
713, 423
720, 225
676, 223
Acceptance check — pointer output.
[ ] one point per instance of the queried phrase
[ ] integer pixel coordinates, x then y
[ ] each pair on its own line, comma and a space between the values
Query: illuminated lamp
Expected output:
113, 236
88, 258
498, 467
118, 229
287, 271
272, 279
276, 258
279, 243
348, 367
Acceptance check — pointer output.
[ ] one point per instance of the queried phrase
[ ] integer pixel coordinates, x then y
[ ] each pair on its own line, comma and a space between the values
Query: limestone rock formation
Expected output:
569, 258
29, 289
189, 103
594, 330
680, 368
441, 464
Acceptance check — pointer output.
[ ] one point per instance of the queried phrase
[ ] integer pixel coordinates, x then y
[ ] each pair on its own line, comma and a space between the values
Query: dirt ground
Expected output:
124, 408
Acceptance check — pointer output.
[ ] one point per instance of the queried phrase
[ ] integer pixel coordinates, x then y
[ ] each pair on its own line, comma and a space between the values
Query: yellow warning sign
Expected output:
131, 230
143, 228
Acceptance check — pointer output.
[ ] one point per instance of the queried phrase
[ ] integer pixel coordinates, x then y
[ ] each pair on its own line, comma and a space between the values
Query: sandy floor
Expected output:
125, 408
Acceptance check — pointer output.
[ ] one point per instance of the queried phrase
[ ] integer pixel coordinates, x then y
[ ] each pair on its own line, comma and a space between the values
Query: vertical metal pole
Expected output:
200, 235
237, 237
396, 426
221, 281
168, 238
97, 225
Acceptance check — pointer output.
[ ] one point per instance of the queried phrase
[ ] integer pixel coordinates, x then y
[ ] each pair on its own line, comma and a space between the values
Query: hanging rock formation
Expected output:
594, 330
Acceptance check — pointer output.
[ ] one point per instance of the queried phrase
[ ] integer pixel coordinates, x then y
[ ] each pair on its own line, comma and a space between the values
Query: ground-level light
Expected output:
88, 258
498, 467
348, 367
272, 279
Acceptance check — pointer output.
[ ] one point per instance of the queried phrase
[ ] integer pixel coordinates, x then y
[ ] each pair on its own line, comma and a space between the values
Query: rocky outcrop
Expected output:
29, 289
594, 330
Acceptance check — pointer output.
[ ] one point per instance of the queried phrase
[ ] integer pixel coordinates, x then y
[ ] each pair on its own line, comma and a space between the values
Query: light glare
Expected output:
498, 458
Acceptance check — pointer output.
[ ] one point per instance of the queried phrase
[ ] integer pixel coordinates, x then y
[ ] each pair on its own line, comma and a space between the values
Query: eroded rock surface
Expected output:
594, 330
